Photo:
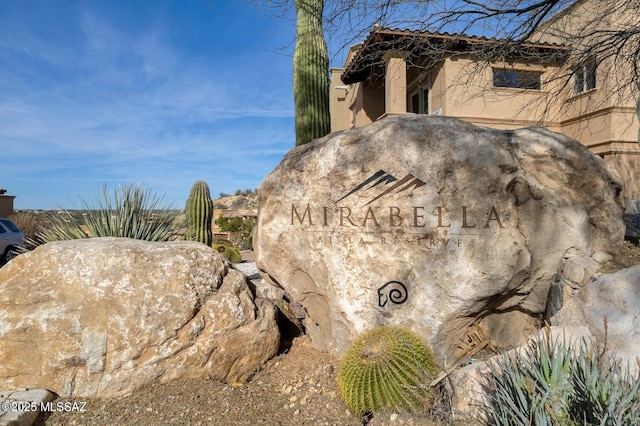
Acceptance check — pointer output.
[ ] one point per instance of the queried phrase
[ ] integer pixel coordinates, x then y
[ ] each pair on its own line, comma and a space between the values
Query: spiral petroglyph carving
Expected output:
393, 291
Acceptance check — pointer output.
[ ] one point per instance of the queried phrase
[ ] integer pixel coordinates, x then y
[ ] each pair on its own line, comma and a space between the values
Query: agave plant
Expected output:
129, 211
552, 384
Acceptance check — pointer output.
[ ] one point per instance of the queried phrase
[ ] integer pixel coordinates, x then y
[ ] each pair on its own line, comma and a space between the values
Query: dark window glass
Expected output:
590, 71
415, 103
516, 79
419, 101
584, 77
10, 225
578, 81
425, 101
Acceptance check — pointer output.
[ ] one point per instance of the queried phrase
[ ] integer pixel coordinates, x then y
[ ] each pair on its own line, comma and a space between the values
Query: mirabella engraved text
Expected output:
394, 217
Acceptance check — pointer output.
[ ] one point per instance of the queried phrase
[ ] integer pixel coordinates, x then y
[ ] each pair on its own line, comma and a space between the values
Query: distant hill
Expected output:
240, 202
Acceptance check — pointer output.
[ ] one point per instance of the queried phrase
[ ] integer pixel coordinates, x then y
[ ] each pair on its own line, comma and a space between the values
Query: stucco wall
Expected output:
627, 167
6, 205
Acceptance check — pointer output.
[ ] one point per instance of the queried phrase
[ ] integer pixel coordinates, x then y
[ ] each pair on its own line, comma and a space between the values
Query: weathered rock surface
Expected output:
610, 308
574, 273
613, 299
432, 224
103, 317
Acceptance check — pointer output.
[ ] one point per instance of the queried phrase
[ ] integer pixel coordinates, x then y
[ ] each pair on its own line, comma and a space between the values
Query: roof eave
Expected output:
360, 67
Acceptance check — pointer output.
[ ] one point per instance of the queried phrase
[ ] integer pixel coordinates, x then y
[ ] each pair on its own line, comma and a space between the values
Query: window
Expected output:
516, 79
584, 77
419, 101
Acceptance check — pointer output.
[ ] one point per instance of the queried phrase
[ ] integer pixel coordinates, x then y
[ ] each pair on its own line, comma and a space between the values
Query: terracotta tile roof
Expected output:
424, 44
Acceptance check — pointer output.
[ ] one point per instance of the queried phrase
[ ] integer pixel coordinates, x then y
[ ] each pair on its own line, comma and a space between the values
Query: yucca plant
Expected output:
550, 383
387, 368
129, 211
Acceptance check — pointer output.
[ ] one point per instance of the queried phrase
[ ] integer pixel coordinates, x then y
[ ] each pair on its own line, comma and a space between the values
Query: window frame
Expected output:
516, 79
423, 99
585, 77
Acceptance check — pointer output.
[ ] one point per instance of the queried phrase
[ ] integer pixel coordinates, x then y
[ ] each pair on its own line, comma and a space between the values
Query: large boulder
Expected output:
103, 317
601, 314
433, 224
610, 308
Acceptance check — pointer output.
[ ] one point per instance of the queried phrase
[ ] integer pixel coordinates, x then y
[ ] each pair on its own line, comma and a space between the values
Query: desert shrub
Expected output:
387, 368
129, 211
551, 384
30, 223
239, 202
228, 250
241, 230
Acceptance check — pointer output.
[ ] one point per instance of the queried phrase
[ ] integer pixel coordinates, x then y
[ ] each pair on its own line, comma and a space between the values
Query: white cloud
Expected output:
114, 105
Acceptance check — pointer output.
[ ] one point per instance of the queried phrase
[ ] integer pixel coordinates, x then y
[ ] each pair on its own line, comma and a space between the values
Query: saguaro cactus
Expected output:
199, 213
310, 73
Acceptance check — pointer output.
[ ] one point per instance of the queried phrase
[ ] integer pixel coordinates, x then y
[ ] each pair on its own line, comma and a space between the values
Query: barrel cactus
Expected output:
310, 73
228, 250
199, 214
387, 368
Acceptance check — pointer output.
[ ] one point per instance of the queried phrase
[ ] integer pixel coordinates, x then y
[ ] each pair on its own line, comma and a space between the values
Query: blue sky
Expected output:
157, 93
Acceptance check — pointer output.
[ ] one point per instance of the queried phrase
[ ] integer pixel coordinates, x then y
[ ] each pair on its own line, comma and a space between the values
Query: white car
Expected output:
11, 240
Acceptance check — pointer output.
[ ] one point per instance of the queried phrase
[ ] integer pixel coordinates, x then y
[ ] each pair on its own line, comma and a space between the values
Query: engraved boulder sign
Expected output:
427, 222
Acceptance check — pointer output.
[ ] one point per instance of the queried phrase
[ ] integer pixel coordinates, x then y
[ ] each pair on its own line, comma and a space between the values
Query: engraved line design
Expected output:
416, 183
397, 294
376, 175
379, 177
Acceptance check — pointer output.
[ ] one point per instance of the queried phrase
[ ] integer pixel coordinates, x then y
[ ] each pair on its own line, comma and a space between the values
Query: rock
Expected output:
465, 390
264, 289
432, 224
22, 407
575, 272
103, 317
632, 230
578, 270
602, 257
610, 308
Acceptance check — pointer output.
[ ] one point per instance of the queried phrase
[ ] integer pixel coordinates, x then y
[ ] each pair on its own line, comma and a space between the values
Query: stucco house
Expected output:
244, 214
397, 71
6, 203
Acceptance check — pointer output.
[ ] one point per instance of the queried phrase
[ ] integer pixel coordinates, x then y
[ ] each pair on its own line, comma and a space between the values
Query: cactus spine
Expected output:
199, 214
387, 368
310, 73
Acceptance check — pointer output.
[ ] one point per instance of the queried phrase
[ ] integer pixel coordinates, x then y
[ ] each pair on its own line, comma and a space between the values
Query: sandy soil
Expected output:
295, 388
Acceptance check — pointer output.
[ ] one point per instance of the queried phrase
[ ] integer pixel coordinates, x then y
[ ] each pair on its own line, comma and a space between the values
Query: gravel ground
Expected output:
295, 388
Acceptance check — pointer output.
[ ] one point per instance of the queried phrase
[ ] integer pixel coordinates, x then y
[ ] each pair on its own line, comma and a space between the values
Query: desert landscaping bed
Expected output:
298, 387
295, 388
